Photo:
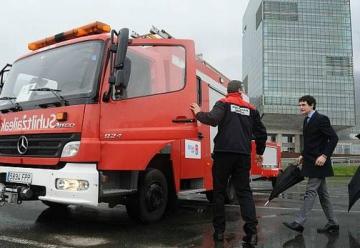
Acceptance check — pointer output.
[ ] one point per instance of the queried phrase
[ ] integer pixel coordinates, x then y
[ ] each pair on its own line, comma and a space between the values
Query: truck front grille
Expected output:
38, 145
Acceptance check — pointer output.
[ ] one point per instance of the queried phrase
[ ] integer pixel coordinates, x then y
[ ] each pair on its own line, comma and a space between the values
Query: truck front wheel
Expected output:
149, 204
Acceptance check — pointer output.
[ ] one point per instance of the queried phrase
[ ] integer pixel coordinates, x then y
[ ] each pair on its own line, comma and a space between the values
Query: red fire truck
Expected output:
92, 116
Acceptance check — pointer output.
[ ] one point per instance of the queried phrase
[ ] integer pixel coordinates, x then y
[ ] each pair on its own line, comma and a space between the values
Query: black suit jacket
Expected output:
319, 138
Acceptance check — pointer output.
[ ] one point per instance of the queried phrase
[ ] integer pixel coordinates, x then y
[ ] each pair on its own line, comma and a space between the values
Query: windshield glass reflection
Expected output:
71, 70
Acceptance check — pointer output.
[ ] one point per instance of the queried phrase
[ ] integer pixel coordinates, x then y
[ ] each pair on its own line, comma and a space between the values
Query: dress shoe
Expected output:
250, 239
329, 228
294, 226
218, 236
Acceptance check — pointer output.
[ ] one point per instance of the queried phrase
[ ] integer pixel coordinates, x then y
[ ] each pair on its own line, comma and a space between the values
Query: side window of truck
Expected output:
155, 70
140, 77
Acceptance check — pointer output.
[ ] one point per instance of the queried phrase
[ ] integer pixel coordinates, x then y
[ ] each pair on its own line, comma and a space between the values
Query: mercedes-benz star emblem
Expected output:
22, 145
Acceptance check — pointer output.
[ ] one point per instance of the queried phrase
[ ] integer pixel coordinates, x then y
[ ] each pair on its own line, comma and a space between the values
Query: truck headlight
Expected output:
70, 149
71, 184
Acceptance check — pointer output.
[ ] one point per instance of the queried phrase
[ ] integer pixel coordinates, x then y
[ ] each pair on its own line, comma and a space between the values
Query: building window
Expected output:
338, 66
282, 11
288, 143
271, 137
259, 16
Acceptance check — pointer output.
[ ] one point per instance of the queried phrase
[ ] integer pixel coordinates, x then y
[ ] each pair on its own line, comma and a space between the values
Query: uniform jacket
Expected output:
319, 138
238, 123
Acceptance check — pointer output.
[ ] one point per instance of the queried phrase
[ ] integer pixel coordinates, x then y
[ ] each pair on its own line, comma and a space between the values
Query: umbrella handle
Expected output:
266, 203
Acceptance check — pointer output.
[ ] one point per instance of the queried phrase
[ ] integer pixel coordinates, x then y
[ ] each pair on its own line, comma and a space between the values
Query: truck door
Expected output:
153, 110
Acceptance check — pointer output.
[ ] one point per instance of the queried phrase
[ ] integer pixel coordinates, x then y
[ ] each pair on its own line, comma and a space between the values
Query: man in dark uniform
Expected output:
320, 141
238, 123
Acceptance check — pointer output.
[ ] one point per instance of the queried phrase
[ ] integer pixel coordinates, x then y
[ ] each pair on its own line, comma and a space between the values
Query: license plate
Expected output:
19, 177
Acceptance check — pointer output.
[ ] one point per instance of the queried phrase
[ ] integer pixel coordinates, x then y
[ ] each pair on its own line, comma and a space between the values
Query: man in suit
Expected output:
320, 141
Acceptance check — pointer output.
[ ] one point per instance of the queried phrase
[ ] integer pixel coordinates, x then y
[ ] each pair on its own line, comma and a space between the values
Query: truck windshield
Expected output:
71, 70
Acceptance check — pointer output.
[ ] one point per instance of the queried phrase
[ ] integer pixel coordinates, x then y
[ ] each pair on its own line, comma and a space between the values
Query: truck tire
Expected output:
210, 196
230, 195
149, 204
54, 204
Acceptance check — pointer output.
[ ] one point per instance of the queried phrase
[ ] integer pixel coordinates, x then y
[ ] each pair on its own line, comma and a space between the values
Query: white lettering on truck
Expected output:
32, 122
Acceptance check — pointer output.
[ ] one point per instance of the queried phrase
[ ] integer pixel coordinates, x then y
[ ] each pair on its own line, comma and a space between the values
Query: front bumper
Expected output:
46, 178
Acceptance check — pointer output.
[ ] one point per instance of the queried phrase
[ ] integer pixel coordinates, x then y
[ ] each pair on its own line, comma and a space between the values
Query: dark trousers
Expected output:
238, 167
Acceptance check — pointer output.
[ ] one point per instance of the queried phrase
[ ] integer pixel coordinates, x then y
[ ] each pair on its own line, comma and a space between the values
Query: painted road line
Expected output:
314, 209
269, 216
30, 242
296, 209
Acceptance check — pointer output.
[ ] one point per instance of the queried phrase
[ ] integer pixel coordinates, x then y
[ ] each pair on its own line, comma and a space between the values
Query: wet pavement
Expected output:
32, 224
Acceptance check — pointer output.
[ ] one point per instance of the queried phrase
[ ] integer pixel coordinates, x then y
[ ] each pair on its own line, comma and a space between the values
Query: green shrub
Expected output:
344, 170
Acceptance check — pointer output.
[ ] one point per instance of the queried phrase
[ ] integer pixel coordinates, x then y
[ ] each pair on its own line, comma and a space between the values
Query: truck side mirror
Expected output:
123, 39
122, 76
120, 66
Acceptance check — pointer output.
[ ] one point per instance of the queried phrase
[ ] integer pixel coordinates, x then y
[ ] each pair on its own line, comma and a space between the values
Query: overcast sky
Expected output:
215, 26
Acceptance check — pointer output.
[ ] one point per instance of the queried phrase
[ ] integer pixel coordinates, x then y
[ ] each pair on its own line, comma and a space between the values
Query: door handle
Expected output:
183, 119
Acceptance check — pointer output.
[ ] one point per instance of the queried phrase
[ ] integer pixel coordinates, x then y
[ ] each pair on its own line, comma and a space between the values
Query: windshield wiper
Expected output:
61, 99
17, 106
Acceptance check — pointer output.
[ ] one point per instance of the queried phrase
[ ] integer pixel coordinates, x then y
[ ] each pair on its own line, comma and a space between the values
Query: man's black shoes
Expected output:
218, 236
250, 239
294, 226
329, 228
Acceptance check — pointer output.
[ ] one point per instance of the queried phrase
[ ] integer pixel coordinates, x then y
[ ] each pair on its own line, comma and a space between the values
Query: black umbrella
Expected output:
353, 242
358, 136
291, 176
354, 188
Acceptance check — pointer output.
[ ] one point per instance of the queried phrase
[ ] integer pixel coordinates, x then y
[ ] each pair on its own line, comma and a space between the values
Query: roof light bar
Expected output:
92, 28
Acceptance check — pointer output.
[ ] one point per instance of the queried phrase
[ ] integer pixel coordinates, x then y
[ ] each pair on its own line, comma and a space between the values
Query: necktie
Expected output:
306, 121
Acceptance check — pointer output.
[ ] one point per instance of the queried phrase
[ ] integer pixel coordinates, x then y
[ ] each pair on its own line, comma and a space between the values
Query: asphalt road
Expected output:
32, 224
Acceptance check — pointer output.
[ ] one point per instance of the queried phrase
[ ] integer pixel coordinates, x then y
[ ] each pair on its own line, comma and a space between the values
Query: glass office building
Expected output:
298, 47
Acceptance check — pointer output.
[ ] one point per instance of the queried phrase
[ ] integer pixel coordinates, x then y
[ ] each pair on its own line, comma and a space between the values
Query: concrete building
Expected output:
293, 48
348, 143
